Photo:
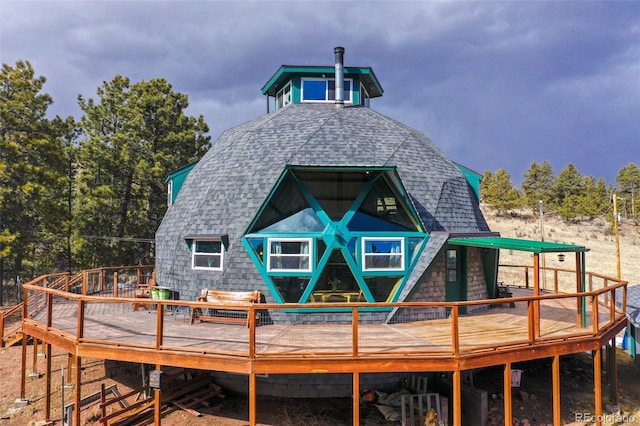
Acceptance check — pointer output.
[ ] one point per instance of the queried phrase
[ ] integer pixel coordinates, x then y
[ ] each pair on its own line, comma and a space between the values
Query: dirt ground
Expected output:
230, 410
532, 401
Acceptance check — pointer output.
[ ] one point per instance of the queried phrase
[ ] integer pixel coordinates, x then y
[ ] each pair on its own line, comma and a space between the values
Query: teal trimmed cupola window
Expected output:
337, 234
295, 84
323, 90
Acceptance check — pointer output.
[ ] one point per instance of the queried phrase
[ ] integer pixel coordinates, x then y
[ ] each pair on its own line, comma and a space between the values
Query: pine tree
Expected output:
537, 185
628, 183
595, 198
30, 151
499, 193
567, 192
133, 137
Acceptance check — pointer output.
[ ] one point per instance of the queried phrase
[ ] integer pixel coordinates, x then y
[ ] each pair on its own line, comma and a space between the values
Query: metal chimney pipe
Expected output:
339, 79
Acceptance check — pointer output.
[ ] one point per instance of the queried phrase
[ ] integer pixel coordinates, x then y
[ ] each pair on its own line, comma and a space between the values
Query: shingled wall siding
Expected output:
476, 280
432, 289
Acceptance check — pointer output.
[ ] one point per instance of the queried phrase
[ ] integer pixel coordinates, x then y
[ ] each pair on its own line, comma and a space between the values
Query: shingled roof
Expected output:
223, 193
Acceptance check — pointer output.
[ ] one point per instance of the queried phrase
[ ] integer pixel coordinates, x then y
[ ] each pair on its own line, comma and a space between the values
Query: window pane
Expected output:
314, 90
382, 254
207, 261
291, 288
208, 246
383, 246
381, 287
289, 255
331, 92
452, 266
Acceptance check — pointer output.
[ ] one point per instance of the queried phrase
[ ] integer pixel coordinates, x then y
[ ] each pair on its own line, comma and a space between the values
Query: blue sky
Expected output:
493, 84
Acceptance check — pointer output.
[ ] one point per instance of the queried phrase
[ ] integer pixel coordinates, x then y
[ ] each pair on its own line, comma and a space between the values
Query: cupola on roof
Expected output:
294, 84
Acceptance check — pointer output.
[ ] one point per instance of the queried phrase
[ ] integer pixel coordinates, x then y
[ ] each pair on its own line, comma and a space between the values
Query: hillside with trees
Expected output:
570, 195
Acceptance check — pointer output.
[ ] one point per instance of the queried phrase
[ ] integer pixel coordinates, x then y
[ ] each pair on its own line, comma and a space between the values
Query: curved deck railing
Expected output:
106, 325
87, 282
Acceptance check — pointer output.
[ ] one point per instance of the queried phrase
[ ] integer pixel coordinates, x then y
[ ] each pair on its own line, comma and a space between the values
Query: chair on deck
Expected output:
144, 292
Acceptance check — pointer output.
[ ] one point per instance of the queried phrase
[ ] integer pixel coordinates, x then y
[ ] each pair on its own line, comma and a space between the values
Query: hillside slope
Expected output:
593, 234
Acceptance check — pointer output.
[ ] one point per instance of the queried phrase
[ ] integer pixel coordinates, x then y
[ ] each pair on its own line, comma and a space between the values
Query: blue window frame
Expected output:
323, 90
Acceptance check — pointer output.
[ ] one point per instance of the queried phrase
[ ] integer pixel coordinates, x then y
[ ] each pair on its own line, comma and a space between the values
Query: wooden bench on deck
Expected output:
223, 313
144, 292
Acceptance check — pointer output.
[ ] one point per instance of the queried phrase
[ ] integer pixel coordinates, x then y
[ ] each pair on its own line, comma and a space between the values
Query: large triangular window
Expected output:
287, 211
331, 235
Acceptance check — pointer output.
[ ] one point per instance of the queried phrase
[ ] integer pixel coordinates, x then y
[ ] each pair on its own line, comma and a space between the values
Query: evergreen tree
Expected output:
133, 137
485, 183
567, 192
499, 193
537, 184
595, 198
628, 182
30, 153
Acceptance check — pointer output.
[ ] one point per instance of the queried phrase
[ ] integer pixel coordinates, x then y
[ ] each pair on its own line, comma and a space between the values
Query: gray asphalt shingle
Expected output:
222, 194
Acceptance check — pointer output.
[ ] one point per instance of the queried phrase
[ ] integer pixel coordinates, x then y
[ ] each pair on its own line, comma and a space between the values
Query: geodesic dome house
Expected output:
324, 200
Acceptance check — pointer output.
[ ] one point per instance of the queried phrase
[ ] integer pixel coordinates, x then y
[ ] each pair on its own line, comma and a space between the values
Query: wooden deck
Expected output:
112, 329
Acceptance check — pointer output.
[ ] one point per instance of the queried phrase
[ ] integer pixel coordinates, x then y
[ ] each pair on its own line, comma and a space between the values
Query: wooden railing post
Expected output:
612, 307
25, 303
80, 330
354, 331
455, 334
252, 333
536, 293
530, 321
526, 276
115, 284
159, 325
594, 314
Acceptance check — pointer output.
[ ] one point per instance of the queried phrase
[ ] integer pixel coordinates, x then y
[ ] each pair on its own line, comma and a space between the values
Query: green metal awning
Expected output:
517, 244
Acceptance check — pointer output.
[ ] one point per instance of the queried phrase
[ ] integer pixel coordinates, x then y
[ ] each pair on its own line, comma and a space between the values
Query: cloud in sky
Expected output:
494, 84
